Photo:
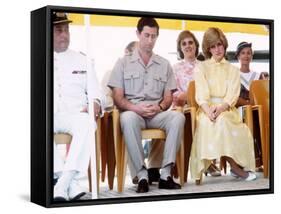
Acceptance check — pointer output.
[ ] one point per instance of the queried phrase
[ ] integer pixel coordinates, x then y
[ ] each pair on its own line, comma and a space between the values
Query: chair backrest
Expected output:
259, 95
191, 95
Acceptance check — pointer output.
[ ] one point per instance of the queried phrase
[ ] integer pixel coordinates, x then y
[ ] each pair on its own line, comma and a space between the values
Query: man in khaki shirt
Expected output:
142, 86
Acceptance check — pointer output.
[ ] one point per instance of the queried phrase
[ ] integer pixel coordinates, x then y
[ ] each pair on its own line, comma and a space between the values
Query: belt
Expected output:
216, 100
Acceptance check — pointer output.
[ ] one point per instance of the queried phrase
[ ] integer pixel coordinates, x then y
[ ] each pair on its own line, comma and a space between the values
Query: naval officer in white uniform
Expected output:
75, 88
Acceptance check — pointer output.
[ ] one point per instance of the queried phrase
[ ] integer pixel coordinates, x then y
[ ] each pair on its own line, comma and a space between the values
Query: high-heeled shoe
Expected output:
251, 176
212, 171
233, 174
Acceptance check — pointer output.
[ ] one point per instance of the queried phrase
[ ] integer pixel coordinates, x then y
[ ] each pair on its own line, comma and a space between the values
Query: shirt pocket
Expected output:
131, 82
159, 83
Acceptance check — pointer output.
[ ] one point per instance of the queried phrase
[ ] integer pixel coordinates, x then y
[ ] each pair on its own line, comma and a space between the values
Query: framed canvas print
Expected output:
131, 106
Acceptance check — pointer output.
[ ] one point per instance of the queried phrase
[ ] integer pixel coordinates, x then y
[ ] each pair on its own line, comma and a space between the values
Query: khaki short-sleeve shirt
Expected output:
143, 83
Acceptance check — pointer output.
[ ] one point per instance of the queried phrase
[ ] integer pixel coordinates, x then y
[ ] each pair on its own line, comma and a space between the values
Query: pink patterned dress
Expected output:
184, 73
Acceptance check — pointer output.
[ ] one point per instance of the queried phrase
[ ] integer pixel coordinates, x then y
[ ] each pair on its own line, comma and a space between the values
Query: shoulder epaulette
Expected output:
82, 53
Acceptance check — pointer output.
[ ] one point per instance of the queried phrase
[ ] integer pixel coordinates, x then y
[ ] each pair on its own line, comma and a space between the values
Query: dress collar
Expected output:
190, 62
213, 61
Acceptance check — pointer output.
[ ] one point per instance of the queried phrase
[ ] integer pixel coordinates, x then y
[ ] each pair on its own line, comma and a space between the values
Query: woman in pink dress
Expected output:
187, 48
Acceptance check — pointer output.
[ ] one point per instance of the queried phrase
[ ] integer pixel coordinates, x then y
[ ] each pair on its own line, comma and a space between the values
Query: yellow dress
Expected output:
217, 83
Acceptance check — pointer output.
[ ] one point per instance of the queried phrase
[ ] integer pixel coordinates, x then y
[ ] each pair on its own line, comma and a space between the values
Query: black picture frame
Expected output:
42, 104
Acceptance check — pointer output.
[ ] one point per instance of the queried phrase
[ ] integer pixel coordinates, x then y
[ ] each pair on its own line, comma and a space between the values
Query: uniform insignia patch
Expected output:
79, 72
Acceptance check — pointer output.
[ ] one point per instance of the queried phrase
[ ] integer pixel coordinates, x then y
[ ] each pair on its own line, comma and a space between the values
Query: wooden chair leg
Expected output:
124, 168
118, 147
90, 177
175, 170
98, 153
120, 171
111, 159
264, 142
188, 138
267, 145
104, 139
257, 141
182, 163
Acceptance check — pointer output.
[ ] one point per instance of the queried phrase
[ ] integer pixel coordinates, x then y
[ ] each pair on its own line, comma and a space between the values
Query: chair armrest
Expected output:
178, 109
248, 116
256, 107
247, 109
192, 111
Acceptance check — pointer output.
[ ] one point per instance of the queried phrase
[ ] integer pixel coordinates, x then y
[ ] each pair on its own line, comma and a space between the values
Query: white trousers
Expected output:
82, 128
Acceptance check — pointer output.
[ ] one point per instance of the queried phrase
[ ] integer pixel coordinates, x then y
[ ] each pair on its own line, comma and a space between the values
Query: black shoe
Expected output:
168, 184
142, 186
59, 199
78, 196
153, 175
55, 180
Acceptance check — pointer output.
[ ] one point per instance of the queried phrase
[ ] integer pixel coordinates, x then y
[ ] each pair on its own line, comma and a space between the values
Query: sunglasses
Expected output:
185, 43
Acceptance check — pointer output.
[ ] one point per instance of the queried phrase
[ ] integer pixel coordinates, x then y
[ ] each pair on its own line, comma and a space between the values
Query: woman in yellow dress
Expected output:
219, 128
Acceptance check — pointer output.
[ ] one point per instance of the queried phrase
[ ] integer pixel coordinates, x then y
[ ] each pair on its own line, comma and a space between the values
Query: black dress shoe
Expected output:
55, 180
78, 196
142, 186
59, 199
153, 175
168, 184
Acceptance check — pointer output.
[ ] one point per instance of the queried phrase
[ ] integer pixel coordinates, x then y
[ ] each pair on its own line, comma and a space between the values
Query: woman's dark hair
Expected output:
241, 46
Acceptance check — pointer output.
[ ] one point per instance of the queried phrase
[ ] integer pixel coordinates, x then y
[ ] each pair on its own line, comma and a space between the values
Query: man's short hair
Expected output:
146, 21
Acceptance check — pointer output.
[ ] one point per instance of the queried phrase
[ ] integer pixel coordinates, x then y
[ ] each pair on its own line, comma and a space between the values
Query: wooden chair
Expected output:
108, 160
190, 123
121, 151
65, 138
259, 97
